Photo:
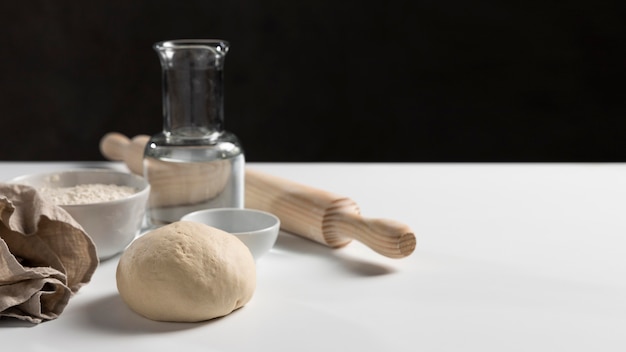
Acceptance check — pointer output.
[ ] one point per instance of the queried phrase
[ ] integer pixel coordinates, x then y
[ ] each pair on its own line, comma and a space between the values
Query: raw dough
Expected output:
186, 272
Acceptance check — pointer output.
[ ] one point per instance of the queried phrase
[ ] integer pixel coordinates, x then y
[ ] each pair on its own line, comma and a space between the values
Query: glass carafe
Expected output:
193, 163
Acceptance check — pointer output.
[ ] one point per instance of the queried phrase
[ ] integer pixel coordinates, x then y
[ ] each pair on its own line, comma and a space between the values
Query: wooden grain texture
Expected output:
324, 217
171, 183
330, 219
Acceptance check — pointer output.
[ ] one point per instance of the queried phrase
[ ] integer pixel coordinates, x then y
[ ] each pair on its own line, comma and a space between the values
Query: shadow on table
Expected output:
357, 266
9, 322
112, 314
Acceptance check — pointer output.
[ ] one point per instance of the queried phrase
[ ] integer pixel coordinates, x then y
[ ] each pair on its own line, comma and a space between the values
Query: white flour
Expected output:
85, 194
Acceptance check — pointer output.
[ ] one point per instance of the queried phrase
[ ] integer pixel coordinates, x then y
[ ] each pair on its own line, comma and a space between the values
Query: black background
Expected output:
327, 80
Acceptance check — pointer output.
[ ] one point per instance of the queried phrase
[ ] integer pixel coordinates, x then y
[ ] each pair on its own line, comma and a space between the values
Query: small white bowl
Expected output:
112, 225
256, 229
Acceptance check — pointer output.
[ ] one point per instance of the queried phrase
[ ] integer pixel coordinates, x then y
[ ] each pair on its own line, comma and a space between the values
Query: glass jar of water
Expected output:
193, 163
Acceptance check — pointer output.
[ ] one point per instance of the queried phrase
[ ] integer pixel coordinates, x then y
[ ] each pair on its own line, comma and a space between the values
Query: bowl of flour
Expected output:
110, 205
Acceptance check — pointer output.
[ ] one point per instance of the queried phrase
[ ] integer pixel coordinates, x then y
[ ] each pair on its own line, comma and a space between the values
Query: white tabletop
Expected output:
510, 257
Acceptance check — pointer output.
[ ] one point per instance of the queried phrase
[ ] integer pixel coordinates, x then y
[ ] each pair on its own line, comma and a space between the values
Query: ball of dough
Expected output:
186, 272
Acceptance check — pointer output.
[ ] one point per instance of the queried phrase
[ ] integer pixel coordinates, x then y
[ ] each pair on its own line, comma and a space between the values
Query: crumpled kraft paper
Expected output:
45, 255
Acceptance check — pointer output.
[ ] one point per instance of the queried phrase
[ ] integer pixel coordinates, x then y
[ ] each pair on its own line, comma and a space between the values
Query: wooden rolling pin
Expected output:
116, 146
203, 180
318, 215
325, 217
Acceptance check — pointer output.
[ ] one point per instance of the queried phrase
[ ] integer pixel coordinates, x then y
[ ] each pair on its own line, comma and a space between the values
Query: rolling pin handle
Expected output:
113, 146
387, 237
117, 147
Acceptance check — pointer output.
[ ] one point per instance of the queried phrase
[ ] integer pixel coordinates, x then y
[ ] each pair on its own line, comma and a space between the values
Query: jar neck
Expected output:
192, 87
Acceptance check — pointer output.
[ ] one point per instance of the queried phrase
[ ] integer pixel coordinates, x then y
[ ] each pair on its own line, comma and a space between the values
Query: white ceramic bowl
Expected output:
256, 229
112, 225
